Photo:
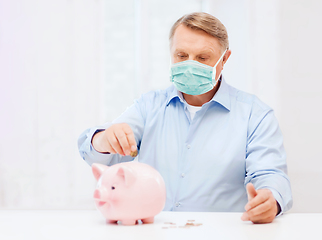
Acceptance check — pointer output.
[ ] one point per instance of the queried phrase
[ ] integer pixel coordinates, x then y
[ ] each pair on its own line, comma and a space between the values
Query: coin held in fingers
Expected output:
134, 153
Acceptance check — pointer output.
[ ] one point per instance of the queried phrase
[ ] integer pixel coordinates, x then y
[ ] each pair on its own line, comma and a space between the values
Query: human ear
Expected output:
226, 56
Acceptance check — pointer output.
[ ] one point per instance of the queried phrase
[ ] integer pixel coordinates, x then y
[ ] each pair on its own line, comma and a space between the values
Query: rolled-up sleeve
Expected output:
266, 158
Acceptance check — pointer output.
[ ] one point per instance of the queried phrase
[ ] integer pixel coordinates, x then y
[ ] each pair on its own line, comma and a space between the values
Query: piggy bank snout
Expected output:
100, 194
100, 197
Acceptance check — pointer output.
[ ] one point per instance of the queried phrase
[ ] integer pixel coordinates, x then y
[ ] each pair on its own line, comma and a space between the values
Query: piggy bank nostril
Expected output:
97, 194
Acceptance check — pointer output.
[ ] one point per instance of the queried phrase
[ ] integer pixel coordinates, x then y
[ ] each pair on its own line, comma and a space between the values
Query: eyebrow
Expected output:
203, 51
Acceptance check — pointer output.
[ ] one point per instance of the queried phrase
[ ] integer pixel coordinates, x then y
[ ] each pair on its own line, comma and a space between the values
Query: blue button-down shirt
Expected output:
206, 162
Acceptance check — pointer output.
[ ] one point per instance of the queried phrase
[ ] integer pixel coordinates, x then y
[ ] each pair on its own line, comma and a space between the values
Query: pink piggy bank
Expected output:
129, 192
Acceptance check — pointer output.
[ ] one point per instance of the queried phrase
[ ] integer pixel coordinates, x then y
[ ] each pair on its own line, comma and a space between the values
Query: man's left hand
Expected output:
261, 207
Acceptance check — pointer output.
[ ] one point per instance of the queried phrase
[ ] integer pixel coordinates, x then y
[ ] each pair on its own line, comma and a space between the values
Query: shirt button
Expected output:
183, 175
178, 204
188, 146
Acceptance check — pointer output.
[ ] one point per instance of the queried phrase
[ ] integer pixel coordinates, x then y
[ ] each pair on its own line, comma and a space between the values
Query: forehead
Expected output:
194, 40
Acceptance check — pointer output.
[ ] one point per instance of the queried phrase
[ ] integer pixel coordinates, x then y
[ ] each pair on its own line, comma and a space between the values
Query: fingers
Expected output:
123, 147
114, 143
266, 220
262, 196
130, 137
262, 208
266, 217
259, 212
258, 199
110, 148
121, 139
251, 191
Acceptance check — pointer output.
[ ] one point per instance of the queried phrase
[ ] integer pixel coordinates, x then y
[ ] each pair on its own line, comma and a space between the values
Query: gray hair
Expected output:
205, 22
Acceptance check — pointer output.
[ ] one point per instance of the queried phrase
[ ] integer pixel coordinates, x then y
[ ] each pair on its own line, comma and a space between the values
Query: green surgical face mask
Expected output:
192, 77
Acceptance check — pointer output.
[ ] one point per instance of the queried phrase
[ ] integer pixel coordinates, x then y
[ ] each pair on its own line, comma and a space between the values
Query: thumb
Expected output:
251, 191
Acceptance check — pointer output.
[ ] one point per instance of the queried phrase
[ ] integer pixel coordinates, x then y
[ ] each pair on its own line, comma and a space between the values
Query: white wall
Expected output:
301, 99
69, 65
50, 67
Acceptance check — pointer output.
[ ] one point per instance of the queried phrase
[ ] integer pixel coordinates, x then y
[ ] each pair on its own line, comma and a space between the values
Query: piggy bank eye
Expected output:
113, 187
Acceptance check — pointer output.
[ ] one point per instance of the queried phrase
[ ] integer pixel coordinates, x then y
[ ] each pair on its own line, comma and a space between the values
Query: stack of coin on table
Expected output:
190, 223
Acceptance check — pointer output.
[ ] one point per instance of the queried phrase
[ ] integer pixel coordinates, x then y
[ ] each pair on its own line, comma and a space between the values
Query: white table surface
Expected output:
90, 224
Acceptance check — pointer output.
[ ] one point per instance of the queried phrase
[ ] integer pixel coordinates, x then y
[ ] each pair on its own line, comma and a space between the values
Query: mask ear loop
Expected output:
214, 68
170, 70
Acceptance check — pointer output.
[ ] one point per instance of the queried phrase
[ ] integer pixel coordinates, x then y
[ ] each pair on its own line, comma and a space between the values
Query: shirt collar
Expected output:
221, 96
173, 94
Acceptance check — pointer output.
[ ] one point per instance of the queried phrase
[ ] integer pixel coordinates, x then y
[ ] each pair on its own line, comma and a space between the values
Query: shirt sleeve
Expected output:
266, 159
134, 116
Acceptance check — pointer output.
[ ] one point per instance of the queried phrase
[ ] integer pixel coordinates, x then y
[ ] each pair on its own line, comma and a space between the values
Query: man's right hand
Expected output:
118, 138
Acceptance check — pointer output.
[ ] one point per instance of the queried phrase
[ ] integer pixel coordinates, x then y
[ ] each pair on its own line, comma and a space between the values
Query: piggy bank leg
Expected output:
128, 222
148, 220
108, 221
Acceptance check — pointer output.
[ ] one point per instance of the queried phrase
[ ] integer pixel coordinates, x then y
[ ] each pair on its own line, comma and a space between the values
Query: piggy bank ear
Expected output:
98, 169
127, 175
